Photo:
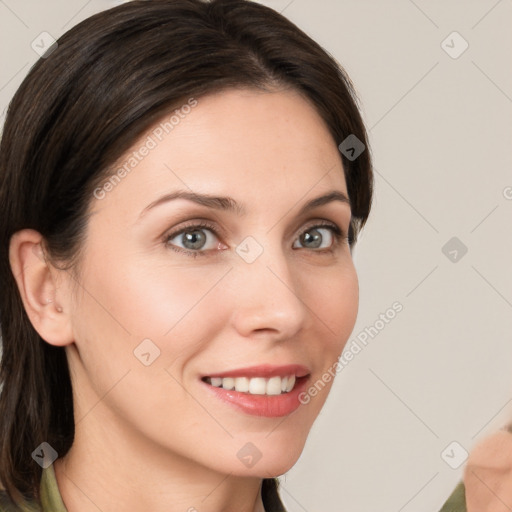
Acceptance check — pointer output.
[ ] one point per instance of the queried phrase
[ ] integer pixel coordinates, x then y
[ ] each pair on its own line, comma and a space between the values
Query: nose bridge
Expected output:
268, 295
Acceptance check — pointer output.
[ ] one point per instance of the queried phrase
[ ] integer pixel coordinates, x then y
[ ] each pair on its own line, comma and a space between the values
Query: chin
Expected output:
270, 457
278, 467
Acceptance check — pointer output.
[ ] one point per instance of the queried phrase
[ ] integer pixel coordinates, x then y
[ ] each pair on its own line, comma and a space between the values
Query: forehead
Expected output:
258, 146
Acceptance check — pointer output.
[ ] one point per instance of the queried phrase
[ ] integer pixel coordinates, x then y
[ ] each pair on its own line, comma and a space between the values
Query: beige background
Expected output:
440, 130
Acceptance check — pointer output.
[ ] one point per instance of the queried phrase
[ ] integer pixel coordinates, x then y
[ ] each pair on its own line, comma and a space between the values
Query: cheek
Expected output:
334, 304
130, 303
151, 300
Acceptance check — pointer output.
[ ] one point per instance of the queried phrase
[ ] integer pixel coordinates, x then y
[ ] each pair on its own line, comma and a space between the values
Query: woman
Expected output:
182, 184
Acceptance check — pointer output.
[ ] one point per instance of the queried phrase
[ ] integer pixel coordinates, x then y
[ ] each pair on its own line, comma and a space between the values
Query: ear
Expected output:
44, 289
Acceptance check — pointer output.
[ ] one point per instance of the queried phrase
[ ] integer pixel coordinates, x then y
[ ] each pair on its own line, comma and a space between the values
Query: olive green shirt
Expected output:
51, 499
457, 501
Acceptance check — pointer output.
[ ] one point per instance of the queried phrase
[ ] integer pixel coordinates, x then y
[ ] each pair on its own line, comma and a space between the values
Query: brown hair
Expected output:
78, 110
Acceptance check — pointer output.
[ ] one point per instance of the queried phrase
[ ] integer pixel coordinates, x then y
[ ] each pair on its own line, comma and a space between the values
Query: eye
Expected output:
193, 237
312, 237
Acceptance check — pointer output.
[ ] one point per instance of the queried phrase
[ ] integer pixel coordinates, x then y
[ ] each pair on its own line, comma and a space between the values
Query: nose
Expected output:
267, 295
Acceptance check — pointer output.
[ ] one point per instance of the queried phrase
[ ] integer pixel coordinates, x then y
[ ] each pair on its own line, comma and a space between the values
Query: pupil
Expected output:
315, 238
193, 236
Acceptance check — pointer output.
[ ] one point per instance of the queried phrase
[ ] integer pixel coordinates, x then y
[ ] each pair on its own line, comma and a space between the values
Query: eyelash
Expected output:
339, 237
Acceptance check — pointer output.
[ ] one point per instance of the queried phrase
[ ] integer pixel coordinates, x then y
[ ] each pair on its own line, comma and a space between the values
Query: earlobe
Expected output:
40, 287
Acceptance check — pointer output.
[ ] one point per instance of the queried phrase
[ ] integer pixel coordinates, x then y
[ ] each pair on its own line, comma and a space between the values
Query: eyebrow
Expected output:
229, 204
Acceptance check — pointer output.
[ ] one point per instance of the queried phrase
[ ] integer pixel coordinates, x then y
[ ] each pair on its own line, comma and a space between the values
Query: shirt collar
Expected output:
51, 500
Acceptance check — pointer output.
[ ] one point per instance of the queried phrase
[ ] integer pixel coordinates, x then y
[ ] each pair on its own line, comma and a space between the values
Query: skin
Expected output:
151, 437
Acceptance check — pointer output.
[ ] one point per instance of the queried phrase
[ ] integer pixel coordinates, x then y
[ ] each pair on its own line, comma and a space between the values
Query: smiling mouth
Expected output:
272, 386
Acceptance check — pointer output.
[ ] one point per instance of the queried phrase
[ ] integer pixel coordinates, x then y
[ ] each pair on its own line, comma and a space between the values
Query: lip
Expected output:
264, 370
269, 406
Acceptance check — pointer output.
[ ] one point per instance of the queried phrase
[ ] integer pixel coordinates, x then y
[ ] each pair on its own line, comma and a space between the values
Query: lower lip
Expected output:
270, 406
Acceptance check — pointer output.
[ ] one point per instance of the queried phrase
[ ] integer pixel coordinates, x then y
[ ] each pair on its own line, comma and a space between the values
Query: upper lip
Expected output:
264, 370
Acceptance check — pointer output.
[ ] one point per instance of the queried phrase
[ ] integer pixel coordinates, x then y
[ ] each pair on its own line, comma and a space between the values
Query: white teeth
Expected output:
228, 383
290, 383
216, 381
255, 385
242, 384
274, 386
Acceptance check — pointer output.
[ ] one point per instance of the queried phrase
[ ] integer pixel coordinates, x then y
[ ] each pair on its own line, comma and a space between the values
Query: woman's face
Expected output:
163, 304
